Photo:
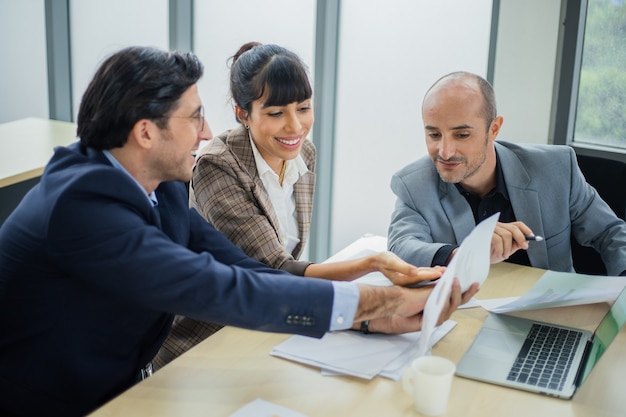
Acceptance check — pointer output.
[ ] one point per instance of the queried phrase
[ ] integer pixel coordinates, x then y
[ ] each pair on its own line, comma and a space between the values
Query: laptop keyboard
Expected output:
546, 357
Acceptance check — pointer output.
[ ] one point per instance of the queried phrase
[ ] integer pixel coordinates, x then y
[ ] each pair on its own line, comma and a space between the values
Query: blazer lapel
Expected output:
525, 202
456, 208
265, 202
239, 142
303, 192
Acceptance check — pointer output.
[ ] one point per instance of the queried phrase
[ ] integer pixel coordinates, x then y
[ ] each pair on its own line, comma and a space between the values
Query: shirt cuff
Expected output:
442, 255
345, 303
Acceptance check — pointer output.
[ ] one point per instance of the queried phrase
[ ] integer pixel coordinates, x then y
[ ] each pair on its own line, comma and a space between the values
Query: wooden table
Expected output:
26, 146
233, 367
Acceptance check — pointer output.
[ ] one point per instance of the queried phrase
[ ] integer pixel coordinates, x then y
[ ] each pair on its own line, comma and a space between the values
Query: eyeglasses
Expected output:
198, 119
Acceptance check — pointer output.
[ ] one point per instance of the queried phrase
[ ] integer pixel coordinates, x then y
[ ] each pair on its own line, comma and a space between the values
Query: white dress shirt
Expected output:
346, 297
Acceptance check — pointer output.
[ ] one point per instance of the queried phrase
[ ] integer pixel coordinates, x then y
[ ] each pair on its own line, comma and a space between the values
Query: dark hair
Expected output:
489, 110
133, 84
257, 69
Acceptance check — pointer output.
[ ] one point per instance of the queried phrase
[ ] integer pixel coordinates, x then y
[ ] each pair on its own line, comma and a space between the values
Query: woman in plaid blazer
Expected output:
255, 183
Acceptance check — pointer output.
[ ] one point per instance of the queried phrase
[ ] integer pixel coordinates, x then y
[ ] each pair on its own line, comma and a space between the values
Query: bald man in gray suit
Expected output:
468, 176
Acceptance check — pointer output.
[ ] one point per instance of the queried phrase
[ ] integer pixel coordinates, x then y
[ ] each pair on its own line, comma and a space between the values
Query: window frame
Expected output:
567, 79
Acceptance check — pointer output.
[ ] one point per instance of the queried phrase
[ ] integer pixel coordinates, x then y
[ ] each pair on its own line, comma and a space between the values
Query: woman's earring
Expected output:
246, 126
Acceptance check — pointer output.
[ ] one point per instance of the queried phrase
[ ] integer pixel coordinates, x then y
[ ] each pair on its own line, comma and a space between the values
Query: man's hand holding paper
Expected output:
408, 316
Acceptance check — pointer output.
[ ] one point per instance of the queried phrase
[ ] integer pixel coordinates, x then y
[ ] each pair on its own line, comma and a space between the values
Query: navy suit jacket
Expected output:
89, 285
548, 193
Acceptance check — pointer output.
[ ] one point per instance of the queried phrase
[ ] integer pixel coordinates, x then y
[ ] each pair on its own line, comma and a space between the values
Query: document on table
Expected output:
357, 354
363, 246
559, 289
262, 408
360, 248
470, 264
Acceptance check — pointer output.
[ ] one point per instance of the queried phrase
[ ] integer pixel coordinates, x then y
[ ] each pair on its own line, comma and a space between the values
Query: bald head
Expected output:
463, 89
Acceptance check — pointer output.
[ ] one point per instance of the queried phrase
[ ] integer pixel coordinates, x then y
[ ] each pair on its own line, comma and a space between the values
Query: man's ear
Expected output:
144, 133
494, 128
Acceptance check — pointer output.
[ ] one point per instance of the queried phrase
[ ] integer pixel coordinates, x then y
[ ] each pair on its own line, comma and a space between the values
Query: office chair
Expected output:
608, 177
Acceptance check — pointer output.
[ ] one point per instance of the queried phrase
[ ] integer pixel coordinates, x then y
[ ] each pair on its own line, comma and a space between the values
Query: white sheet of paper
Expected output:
470, 264
354, 353
363, 246
491, 303
559, 289
262, 408
472, 303
393, 370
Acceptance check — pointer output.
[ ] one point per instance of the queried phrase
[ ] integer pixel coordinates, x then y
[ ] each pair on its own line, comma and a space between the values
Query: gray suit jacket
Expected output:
227, 190
548, 193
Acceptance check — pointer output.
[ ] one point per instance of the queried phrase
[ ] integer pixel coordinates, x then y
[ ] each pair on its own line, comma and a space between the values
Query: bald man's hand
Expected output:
507, 239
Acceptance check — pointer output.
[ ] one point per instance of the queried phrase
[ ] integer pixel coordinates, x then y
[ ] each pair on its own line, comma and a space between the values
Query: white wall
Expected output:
23, 63
390, 53
525, 65
100, 28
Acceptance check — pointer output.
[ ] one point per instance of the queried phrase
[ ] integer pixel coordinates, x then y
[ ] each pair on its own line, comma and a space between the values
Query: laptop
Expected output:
539, 357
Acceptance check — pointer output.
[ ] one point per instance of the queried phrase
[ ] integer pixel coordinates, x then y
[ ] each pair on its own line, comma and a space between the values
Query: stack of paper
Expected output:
358, 354
560, 289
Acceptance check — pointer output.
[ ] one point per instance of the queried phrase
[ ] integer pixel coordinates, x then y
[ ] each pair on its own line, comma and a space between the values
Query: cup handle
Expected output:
408, 378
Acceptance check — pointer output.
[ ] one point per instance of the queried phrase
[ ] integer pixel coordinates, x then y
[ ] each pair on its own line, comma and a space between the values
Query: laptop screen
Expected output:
607, 330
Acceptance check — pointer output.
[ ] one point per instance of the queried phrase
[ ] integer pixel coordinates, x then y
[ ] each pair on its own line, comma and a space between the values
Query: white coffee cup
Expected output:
428, 380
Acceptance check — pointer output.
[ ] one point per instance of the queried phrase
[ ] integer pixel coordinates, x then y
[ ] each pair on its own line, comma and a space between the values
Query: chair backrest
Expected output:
608, 177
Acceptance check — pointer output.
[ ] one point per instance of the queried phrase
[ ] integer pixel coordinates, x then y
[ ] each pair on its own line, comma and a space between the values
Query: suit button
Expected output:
301, 320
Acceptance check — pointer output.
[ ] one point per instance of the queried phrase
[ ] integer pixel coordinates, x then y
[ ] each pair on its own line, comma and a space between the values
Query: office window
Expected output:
600, 117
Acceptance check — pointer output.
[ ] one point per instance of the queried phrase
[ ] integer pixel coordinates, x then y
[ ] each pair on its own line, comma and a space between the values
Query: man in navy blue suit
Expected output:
104, 250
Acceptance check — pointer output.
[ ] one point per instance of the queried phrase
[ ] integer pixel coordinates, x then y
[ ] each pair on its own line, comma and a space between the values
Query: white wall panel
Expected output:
390, 53
23, 62
525, 66
100, 28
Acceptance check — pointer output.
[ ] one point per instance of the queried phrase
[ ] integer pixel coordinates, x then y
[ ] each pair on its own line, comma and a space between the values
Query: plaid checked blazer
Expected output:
228, 192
